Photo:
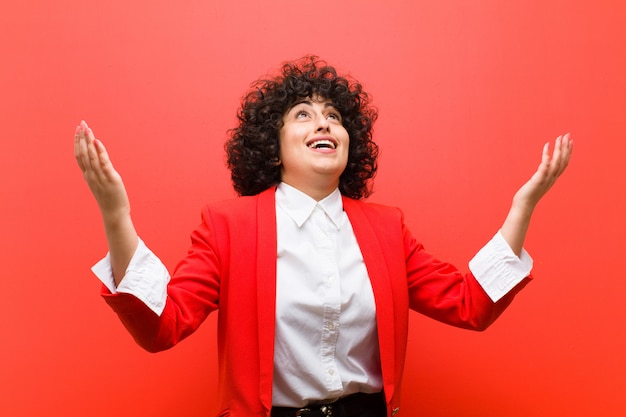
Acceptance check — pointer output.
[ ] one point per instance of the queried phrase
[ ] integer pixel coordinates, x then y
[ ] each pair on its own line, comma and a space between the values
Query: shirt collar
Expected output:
299, 205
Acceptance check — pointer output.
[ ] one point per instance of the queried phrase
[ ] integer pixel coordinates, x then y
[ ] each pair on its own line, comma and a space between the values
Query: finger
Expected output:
106, 167
561, 155
556, 155
91, 148
569, 143
565, 153
83, 152
545, 159
77, 155
89, 155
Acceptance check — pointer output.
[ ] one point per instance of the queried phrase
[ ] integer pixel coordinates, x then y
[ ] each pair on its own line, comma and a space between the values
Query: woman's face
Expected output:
313, 144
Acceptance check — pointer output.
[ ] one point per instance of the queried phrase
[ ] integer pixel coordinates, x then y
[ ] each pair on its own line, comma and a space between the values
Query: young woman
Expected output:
313, 284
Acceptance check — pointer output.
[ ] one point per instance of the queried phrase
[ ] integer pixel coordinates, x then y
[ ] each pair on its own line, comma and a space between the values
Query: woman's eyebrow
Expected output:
297, 103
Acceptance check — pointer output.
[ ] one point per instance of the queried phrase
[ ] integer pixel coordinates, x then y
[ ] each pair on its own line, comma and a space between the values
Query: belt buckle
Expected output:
327, 411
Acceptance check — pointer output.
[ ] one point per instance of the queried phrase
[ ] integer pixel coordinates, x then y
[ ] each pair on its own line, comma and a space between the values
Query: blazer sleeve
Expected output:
439, 290
192, 293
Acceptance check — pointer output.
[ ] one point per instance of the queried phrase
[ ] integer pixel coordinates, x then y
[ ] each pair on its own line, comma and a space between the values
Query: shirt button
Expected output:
331, 371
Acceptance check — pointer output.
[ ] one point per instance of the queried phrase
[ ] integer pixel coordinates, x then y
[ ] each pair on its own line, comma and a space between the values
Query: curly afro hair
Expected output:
253, 147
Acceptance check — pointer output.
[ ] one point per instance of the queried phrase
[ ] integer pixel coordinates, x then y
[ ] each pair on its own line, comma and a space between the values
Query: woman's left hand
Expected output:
546, 175
526, 198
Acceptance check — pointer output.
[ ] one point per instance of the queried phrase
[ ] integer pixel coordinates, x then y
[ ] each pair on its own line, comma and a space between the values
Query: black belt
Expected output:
351, 406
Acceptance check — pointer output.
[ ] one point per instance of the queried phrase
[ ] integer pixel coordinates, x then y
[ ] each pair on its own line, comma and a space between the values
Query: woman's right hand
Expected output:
107, 187
104, 181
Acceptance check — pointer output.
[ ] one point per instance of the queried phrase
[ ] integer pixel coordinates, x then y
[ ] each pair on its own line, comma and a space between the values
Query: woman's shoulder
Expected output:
370, 208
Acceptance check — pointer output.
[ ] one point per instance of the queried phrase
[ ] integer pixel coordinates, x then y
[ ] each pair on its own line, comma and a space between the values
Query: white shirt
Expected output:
326, 344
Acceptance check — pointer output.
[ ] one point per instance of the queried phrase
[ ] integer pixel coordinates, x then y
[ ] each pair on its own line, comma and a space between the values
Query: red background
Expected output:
468, 92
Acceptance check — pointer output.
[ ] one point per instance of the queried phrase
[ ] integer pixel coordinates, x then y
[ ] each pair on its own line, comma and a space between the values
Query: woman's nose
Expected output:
322, 123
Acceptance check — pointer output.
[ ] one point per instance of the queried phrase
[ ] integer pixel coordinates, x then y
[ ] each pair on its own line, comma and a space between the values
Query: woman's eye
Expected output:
301, 114
334, 116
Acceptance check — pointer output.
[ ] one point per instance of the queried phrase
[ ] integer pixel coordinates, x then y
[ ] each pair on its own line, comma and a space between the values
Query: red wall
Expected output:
468, 92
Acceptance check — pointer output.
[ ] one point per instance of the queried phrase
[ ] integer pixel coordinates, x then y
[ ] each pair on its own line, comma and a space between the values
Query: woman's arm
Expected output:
525, 200
107, 187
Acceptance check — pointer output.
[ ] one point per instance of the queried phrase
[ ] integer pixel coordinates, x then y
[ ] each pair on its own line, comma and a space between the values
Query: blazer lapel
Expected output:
375, 262
266, 289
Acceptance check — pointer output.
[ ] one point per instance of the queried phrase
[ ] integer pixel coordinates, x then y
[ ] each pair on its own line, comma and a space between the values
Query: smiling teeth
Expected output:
322, 144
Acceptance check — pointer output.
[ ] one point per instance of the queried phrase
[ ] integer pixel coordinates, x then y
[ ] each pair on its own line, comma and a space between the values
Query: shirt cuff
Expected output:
146, 278
497, 269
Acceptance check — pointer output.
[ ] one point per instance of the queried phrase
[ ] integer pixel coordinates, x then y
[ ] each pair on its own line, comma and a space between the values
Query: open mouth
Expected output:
322, 144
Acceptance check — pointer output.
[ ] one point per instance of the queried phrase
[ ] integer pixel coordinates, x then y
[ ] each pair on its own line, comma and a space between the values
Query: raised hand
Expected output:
105, 183
107, 187
525, 200
547, 173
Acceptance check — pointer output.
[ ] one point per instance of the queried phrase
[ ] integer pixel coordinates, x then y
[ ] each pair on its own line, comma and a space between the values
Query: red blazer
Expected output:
231, 265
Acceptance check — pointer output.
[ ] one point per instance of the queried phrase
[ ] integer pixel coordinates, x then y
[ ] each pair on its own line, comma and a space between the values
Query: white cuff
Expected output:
497, 269
146, 278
